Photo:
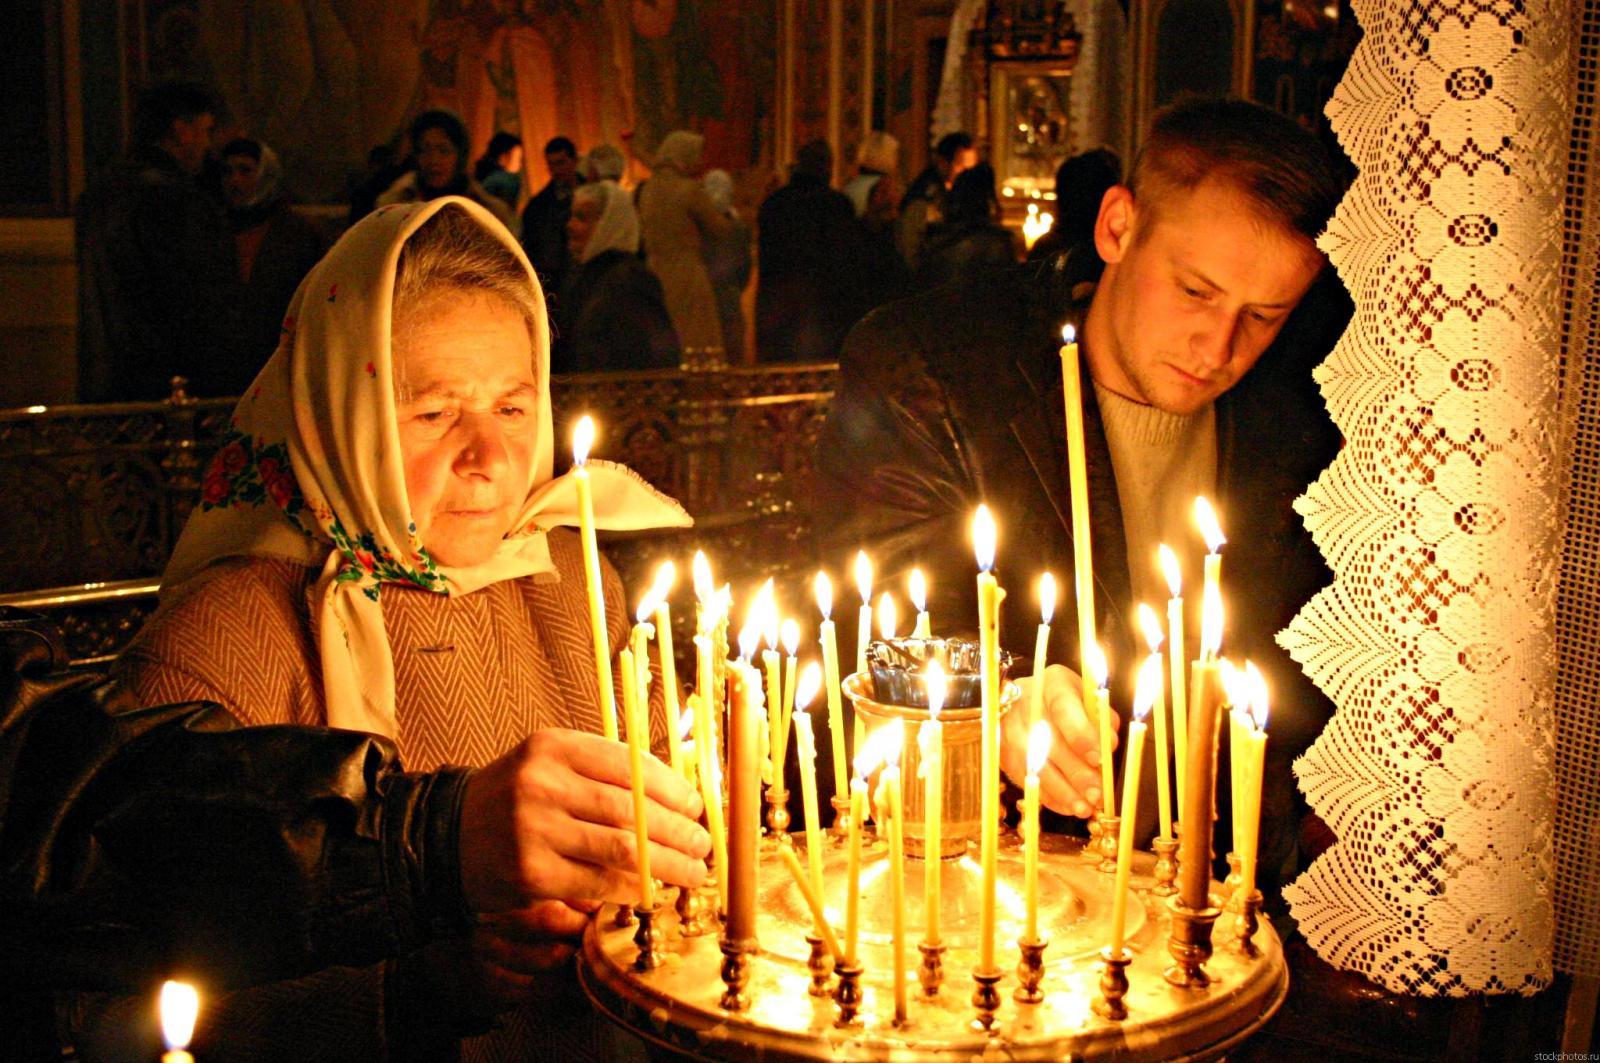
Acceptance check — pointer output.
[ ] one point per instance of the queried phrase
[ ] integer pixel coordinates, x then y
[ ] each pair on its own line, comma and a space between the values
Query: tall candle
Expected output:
1038, 756
813, 899
1194, 852
1255, 758
1152, 637
638, 744
1099, 673
930, 740
180, 1006
830, 678
1041, 648
805, 749
744, 795
1132, 765
1078, 485
889, 785
1236, 712
710, 767
919, 598
1176, 659
643, 631
789, 635
767, 613
1211, 531
666, 576
852, 893
582, 440
863, 637
989, 598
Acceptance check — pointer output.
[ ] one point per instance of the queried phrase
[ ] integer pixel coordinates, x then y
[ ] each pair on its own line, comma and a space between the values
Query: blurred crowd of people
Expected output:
189, 255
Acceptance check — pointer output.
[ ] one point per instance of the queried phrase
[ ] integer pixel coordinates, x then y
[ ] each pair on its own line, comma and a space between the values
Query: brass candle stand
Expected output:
777, 811
1166, 870
1190, 943
930, 974
648, 938
1113, 984
985, 1001
1246, 923
840, 830
847, 995
1030, 971
820, 964
697, 909
1110, 835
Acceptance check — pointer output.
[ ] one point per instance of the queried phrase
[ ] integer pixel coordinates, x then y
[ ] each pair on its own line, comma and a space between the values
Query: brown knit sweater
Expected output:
474, 675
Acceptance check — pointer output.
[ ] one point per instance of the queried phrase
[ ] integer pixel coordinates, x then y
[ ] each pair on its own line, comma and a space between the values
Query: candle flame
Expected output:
894, 740
1068, 334
703, 587
824, 588
1039, 746
666, 579
983, 537
1170, 569
887, 616
1047, 597
750, 634
180, 1006
919, 590
767, 614
647, 606
877, 749
1206, 518
864, 577
1150, 624
1211, 623
1148, 689
686, 720
1099, 669
1235, 691
809, 683
938, 686
1258, 694
790, 634
582, 439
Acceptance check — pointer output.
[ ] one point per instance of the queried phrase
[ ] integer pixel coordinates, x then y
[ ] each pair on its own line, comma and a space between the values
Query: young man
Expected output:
544, 219
954, 398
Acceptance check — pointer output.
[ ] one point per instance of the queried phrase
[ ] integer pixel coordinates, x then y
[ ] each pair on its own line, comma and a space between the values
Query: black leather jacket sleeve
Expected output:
135, 842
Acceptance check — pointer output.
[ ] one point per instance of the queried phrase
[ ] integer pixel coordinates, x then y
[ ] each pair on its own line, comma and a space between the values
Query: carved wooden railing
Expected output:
95, 496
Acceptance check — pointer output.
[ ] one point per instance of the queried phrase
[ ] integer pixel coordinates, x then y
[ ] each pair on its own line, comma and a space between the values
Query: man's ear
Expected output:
1113, 227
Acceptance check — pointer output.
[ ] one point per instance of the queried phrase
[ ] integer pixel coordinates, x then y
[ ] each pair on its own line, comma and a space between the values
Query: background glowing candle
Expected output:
1177, 659
919, 598
1152, 637
1099, 673
582, 440
805, 749
744, 792
1041, 648
666, 576
830, 678
638, 746
1038, 756
1133, 762
1078, 484
180, 1007
989, 598
930, 740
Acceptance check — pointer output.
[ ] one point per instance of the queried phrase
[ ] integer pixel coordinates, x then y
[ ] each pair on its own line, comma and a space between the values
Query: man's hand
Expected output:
1070, 782
553, 819
514, 952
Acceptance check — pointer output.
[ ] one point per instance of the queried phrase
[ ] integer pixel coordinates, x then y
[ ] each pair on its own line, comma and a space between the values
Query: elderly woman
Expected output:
440, 155
380, 546
610, 315
678, 219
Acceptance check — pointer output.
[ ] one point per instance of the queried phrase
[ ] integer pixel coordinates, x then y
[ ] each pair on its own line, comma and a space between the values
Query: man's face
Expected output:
964, 160
563, 167
241, 176
1192, 294
190, 141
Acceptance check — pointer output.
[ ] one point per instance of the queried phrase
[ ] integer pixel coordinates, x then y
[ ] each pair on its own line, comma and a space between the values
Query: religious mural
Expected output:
323, 81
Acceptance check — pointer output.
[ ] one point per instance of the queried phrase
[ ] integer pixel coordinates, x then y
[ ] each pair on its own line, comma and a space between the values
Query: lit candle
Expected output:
1255, 759
919, 598
789, 635
687, 750
1236, 706
813, 901
744, 792
710, 766
892, 800
666, 576
805, 749
1194, 852
638, 743
930, 741
866, 760
1041, 648
1206, 519
1152, 637
1078, 484
643, 631
990, 596
1038, 756
1100, 674
888, 616
767, 617
830, 678
1176, 659
180, 1007
582, 440
864, 620
1145, 694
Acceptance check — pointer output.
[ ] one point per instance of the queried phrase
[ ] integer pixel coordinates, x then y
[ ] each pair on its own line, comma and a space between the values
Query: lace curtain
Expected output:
1437, 638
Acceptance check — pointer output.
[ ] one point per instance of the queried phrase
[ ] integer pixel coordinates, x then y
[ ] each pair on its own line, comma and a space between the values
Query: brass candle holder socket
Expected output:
986, 1001
624, 915
820, 964
1230, 885
777, 811
649, 939
1166, 869
1109, 1004
847, 994
1110, 837
1030, 972
736, 974
697, 909
1190, 943
931, 973
1246, 923
840, 831
1091, 847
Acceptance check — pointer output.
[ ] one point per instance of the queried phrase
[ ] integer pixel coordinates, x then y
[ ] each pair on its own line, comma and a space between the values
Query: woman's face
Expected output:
580, 226
466, 415
511, 159
438, 162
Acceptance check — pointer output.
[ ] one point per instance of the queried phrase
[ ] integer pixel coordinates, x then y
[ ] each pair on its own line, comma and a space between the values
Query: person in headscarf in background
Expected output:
728, 261
605, 162
276, 247
678, 219
878, 158
440, 150
382, 545
500, 169
611, 314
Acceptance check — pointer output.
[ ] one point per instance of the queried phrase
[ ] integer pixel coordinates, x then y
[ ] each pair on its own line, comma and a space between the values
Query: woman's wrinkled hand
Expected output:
1070, 782
552, 819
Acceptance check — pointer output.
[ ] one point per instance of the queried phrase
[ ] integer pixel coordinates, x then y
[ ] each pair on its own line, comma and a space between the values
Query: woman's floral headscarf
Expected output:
311, 469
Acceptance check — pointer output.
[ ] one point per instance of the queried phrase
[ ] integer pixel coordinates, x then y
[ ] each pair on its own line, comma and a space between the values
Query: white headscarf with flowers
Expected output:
311, 469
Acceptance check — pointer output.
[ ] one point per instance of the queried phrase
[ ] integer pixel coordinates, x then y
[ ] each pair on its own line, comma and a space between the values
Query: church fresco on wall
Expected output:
324, 81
